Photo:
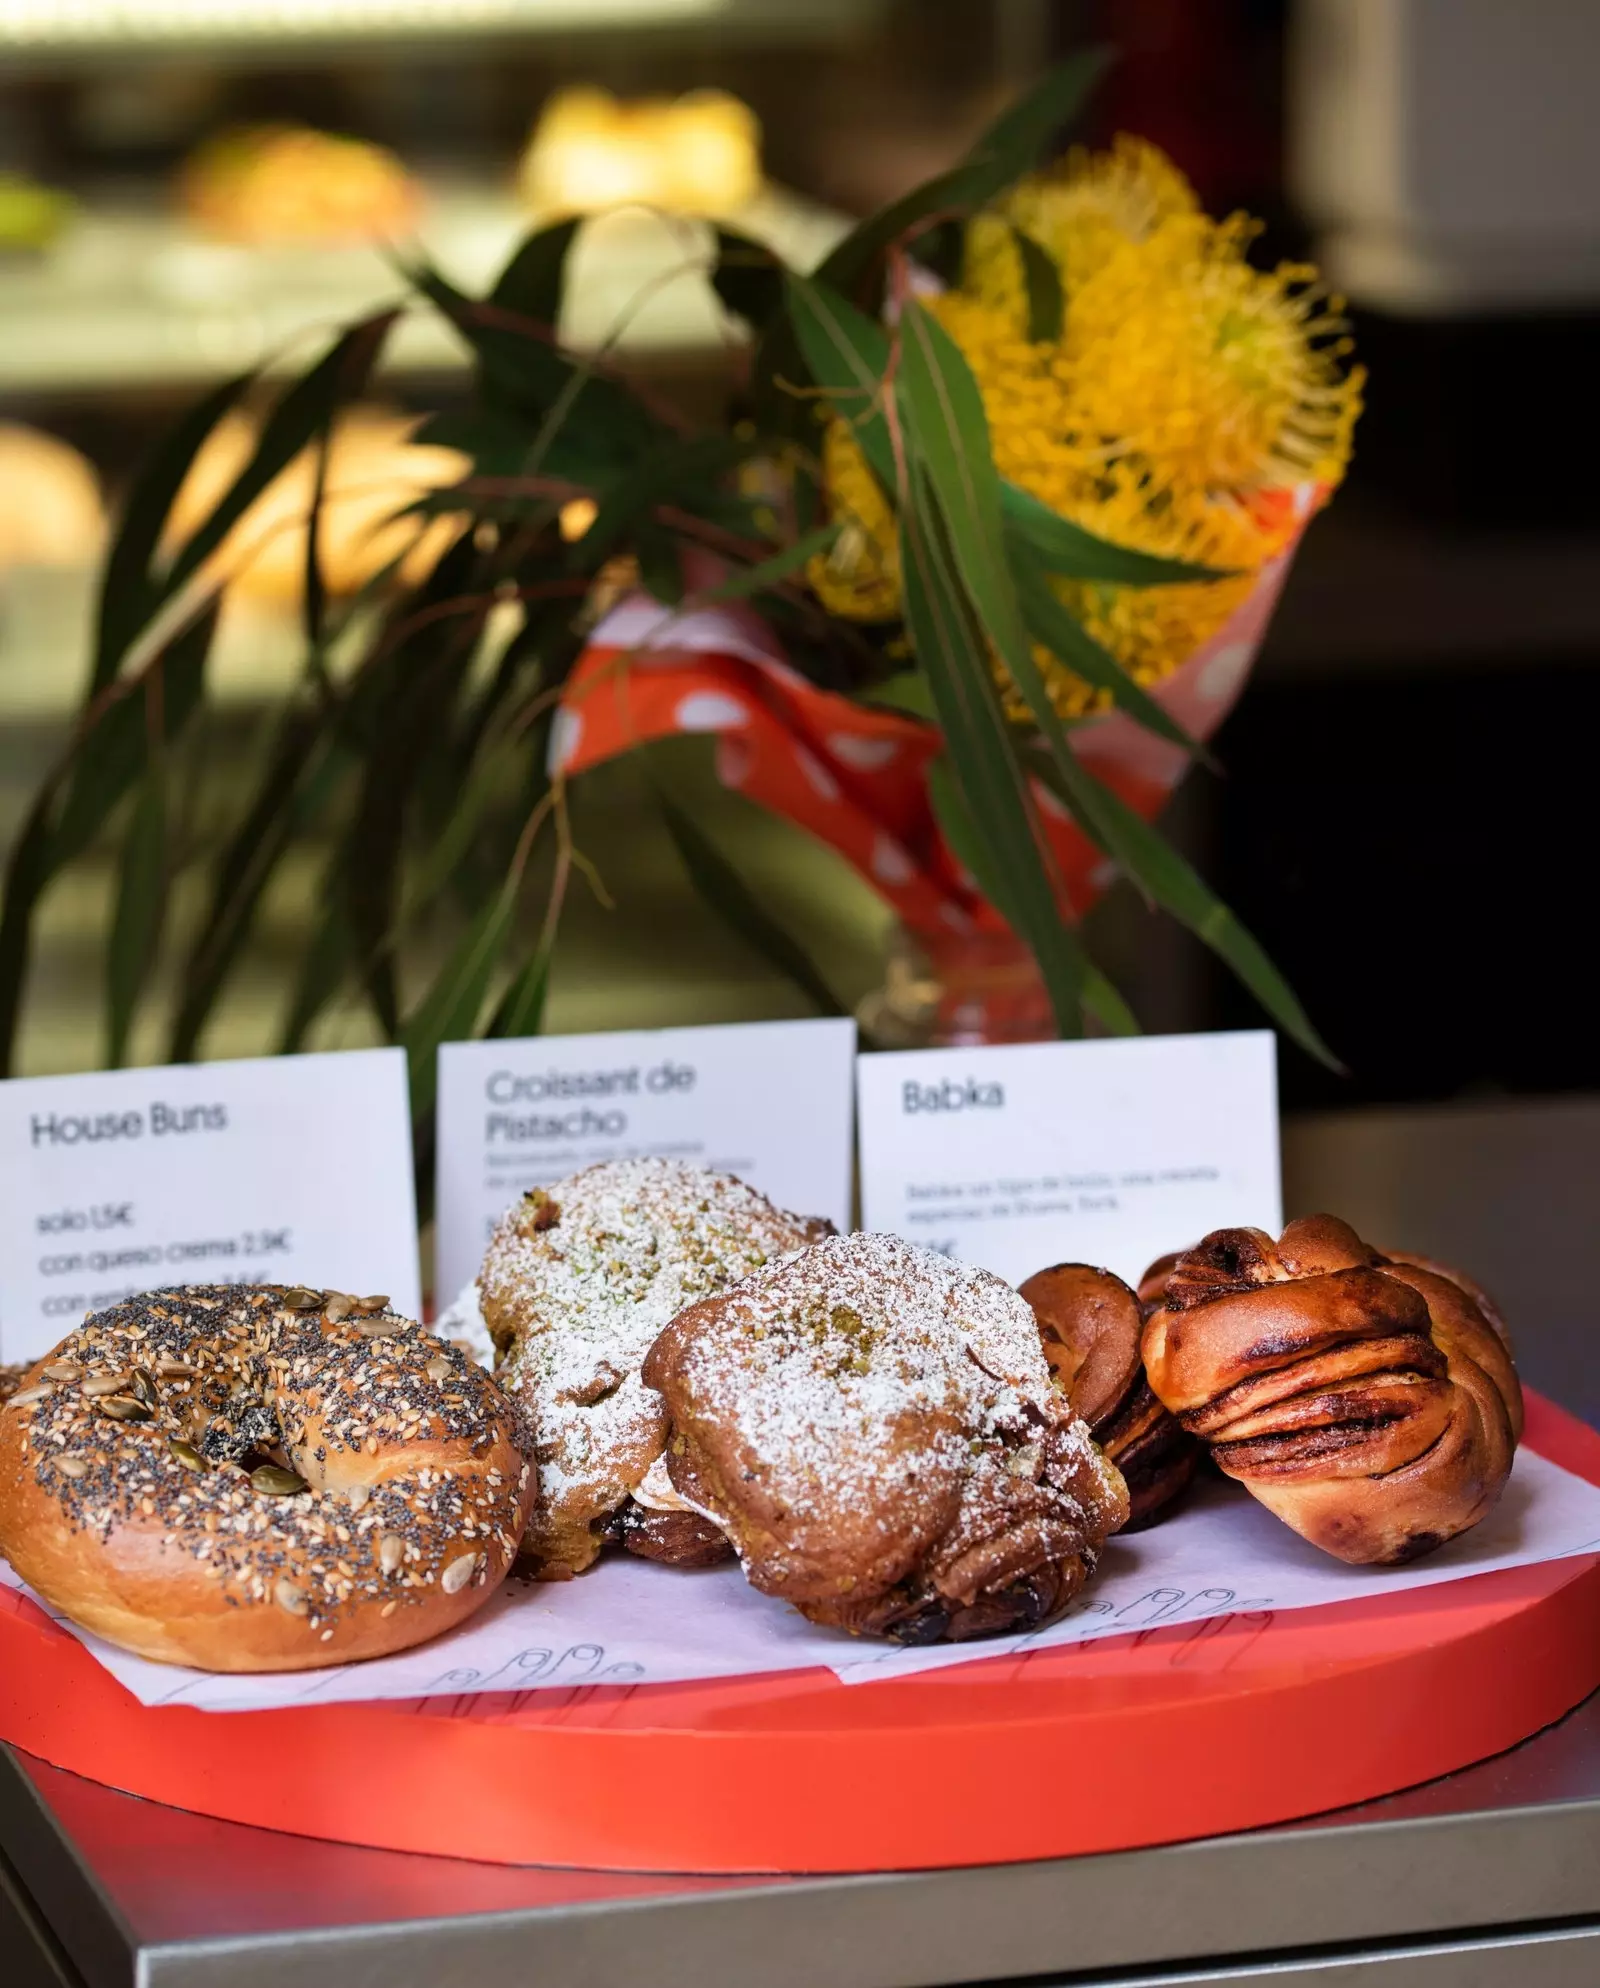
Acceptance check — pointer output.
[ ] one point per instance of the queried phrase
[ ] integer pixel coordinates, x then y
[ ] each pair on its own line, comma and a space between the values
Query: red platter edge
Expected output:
1152, 1738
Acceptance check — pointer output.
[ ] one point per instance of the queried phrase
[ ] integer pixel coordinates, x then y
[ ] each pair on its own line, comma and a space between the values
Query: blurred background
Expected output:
1404, 813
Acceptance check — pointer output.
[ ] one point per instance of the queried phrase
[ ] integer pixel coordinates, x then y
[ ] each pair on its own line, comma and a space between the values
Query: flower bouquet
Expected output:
962, 584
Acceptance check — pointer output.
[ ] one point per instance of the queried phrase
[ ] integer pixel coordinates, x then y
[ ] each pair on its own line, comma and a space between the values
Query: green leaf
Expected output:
523, 372
449, 1011
298, 763
520, 1010
721, 888
323, 967
138, 917
531, 282
1011, 144
304, 409
130, 591
402, 708
969, 848
1050, 622
112, 753
951, 648
847, 354
314, 592
1073, 553
1041, 278
947, 432
670, 469
27, 874
1151, 862
746, 581
748, 278
906, 691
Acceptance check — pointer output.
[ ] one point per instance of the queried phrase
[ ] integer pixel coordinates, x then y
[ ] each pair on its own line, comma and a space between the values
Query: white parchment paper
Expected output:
630, 1622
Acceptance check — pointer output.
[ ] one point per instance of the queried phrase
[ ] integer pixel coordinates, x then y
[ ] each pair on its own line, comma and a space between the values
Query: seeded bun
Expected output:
261, 1479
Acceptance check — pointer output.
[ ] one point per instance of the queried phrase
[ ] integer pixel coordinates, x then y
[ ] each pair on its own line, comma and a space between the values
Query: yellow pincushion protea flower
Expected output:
1079, 214
1187, 396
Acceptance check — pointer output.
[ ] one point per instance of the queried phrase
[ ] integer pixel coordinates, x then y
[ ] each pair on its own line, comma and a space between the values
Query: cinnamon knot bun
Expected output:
1370, 1401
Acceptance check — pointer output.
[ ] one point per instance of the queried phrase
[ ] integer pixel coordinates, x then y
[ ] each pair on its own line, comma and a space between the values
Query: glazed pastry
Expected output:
876, 1427
253, 1478
1368, 1400
576, 1283
1090, 1323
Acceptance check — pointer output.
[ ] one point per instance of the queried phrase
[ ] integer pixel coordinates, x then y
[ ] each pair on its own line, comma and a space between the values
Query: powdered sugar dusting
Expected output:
576, 1284
824, 1366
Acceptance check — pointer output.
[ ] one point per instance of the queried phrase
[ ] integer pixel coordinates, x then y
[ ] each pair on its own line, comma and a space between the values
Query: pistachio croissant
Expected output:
1370, 1401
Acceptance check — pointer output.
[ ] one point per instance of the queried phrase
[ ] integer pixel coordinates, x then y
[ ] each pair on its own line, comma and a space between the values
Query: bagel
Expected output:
1090, 1323
261, 1478
1370, 1401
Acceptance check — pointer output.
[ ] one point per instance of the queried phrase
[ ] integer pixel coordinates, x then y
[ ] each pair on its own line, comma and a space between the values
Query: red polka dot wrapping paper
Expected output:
856, 776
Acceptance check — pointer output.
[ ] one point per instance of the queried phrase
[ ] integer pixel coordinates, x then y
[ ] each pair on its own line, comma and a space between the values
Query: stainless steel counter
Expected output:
1487, 1879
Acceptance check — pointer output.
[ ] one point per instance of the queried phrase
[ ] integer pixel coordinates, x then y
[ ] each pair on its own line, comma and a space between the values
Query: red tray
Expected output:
1225, 1724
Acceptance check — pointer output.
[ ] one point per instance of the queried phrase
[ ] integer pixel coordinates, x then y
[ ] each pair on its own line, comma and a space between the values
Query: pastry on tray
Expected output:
1091, 1324
253, 1478
1369, 1400
576, 1283
374, 474
269, 184
877, 1429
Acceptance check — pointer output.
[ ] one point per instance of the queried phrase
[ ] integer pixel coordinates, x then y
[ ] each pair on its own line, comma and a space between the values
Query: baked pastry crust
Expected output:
1370, 1401
577, 1282
1090, 1323
254, 1478
876, 1427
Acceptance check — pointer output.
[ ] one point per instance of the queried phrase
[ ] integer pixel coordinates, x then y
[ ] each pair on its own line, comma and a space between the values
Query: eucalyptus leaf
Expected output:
671, 469
951, 648
1151, 863
520, 1010
1010, 145
141, 899
1072, 553
1051, 623
323, 967
1041, 280
305, 409
113, 749
299, 760
721, 888
848, 356
28, 872
449, 1010
747, 277
532, 281
130, 588
1100, 998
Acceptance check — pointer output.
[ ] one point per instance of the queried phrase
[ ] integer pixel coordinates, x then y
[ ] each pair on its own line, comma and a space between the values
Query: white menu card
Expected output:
276, 1169
1107, 1152
768, 1101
